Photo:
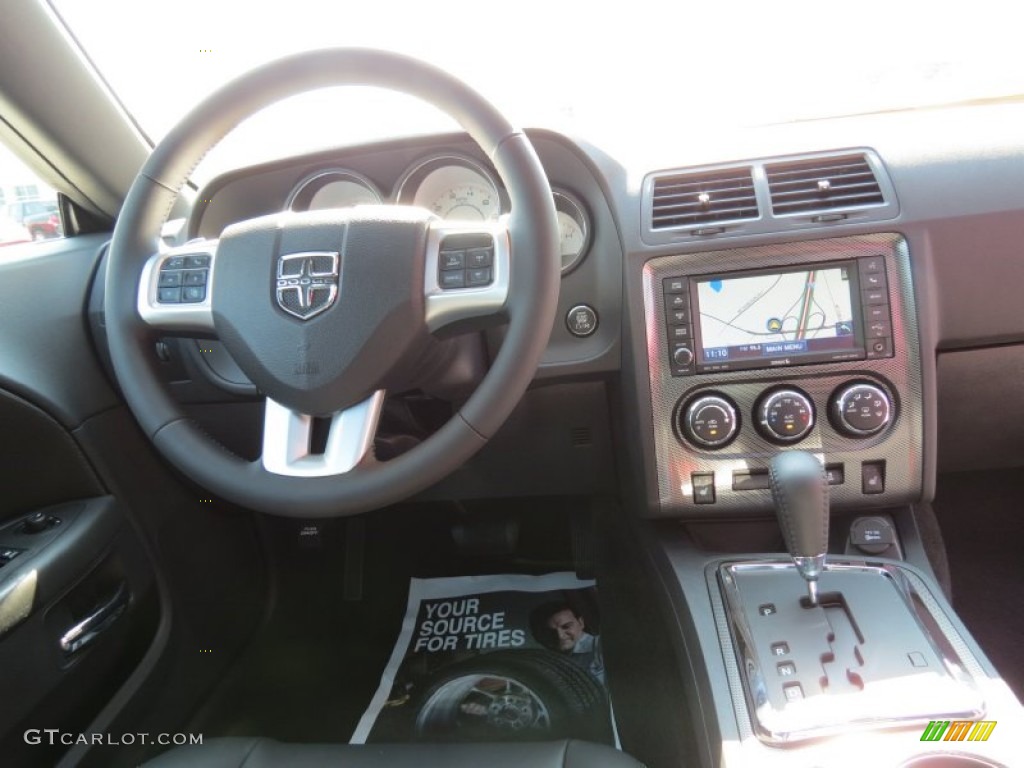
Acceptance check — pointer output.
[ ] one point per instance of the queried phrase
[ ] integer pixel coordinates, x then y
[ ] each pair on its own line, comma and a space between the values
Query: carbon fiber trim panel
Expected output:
899, 445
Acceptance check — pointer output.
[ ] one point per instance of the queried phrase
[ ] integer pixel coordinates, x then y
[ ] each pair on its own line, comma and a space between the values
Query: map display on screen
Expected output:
780, 314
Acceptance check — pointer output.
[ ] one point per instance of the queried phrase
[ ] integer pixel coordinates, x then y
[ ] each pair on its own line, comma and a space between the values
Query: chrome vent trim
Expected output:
712, 197
822, 184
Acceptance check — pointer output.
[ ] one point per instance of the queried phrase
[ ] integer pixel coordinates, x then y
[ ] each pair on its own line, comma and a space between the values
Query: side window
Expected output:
28, 207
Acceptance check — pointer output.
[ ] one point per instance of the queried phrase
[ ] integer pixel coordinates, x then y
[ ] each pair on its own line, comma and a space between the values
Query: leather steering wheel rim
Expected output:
530, 306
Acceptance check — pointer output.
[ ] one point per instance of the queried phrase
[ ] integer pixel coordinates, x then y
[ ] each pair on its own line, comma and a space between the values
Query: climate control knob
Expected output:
710, 421
861, 410
785, 416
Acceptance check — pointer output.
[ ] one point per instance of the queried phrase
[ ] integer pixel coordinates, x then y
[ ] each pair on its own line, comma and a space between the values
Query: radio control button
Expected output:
682, 356
876, 313
785, 416
872, 280
674, 284
861, 410
679, 332
879, 348
875, 296
677, 317
871, 264
677, 301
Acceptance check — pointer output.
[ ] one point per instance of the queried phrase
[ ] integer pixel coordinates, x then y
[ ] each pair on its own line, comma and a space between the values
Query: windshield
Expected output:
590, 69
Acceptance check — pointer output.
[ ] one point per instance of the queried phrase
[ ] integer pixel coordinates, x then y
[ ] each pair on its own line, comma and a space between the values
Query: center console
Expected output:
788, 377
811, 345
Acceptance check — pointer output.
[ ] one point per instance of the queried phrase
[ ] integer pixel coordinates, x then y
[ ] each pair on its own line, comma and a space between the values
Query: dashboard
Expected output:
815, 295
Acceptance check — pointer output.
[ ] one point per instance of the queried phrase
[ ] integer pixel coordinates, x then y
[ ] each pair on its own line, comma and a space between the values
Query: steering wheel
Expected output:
327, 310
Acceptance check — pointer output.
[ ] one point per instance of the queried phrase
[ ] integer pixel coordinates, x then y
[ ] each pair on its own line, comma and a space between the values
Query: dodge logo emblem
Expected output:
307, 283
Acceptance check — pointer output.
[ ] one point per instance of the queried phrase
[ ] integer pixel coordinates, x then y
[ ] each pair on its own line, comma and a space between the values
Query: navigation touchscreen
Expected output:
763, 319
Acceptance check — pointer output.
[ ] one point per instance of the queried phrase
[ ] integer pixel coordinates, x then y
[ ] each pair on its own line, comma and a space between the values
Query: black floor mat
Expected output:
983, 526
311, 671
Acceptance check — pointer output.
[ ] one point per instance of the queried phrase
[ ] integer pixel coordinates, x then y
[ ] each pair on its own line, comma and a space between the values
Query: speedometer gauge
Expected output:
573, 229
334, 188
454, 187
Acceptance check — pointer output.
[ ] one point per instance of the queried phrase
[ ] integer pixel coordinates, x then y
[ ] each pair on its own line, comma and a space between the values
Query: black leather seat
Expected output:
264, 753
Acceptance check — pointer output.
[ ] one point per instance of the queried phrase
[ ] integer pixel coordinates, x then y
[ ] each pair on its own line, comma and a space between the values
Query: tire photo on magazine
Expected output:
500, 666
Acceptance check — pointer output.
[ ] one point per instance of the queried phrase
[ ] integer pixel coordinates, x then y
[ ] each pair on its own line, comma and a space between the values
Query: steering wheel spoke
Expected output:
467, 271
176, 286
288, 439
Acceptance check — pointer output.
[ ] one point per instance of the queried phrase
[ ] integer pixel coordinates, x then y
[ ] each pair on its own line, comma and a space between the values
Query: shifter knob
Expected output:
800, 491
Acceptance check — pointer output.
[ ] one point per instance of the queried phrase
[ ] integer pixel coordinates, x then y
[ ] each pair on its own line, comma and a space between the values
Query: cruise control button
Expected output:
479, 257
453, 259
169, 295
478, 276
197, 277
197, 262
193, 293
581, 320
455, 279
170, 279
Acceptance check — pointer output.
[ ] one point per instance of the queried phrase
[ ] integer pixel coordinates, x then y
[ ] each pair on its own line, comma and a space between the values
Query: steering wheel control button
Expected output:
861, 410
465, 261
453, 279
785, 416
194, 277
168, 295
581, 320
872, 477
477, 277
479, 257
710, 421
175, 262
170, 279
872, 535
197, 262
453, 260
193, 294
703, 487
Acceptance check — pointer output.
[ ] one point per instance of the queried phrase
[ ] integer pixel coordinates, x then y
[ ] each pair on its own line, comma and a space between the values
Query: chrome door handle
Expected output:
88, 629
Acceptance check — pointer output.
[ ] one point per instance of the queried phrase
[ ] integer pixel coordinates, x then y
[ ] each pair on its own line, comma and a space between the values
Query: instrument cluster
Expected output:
453, 186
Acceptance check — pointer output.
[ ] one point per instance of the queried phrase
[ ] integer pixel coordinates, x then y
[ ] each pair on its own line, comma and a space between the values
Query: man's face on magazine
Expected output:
567, 627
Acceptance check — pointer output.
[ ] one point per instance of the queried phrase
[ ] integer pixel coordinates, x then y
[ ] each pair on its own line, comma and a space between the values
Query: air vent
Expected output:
822, 184
692, 199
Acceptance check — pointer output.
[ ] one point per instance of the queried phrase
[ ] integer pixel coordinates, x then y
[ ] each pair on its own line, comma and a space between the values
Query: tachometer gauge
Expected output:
454, 187
573, 228
334, 188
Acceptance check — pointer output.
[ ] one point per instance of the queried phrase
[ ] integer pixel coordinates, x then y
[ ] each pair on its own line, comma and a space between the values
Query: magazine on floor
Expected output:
495, 658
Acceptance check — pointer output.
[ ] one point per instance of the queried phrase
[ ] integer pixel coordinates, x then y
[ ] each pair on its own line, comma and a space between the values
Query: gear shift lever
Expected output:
800, 491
